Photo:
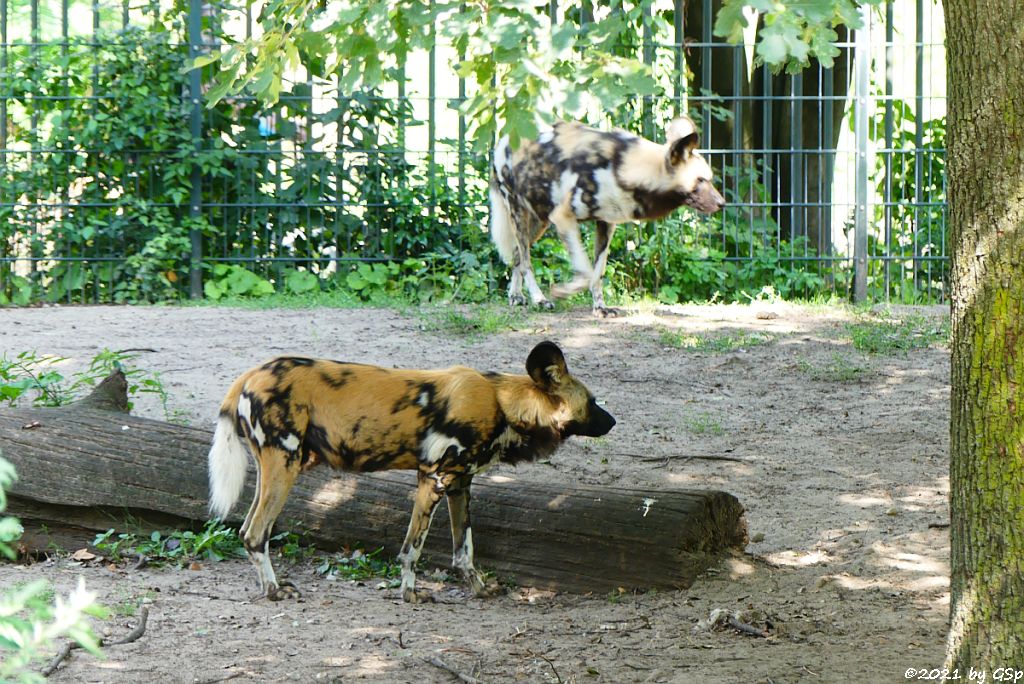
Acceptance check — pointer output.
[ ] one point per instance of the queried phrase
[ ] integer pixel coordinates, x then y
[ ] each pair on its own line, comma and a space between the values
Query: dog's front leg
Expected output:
429, 489
462, 538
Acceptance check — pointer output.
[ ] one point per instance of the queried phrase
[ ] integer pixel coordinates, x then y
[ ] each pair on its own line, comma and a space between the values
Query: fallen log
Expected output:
91, 466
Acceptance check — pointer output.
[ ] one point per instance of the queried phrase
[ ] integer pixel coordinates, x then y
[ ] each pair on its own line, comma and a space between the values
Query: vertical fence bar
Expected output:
888, 154
797, 226
679, 59
3, 91
463, 209
195, 205
647, 117
5, 266
918, 130
705, 68
432, 116
36, 239
862, 58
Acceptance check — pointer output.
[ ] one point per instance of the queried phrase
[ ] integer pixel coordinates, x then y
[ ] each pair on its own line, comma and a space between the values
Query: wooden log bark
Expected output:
92, 466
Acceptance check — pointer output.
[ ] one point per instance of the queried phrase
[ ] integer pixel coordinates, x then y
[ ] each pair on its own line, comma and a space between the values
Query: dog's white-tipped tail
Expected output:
227, 467
502, 228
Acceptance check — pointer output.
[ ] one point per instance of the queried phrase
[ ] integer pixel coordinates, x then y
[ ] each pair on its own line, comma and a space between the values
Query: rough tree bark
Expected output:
985, 40
89, 464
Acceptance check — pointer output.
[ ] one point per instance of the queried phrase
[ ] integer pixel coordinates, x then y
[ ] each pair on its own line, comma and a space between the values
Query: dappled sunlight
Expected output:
914, 553
739, 568
799, 559
335, 491
108, 665
866, 500
583, 337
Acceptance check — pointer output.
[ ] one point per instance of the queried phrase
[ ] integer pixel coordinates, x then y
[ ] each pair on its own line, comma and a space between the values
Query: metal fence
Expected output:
118, 183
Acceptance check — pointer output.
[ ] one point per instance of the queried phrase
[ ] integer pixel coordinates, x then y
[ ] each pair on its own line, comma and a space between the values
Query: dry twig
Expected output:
66, 649
461, 676
746, 629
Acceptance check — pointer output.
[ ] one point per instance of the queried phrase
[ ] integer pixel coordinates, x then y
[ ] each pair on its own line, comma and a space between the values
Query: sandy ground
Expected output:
843, 476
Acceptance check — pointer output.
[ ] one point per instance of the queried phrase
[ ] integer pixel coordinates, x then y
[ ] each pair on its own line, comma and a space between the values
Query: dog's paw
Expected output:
417, 596
545, 304
516, 300
284, 591
488, 589
607, 312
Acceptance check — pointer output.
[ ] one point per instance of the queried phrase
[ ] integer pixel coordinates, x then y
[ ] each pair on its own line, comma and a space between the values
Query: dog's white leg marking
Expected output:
429, 489
264, 570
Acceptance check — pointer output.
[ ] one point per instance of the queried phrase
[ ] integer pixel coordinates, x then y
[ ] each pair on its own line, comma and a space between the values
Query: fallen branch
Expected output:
461, 676
66, 649
746, 629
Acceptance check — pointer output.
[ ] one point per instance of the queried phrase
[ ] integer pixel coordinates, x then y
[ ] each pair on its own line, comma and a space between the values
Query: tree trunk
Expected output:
985, 41
89, 466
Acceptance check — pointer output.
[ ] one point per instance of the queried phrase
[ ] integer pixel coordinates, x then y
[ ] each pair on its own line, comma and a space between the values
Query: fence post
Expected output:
195, 95
862, 57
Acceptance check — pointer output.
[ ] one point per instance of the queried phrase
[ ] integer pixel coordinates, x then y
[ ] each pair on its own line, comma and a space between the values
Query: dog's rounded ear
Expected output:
546, 364
682, 139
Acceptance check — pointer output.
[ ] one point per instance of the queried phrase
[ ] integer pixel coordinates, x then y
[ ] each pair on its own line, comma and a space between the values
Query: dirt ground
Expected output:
843, 461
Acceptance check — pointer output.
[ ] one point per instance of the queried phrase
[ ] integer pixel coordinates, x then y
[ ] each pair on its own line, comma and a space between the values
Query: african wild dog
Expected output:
292, 413
573, 173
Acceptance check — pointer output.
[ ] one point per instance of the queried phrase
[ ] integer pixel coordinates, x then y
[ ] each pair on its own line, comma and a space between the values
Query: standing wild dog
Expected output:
292, 413
573, 173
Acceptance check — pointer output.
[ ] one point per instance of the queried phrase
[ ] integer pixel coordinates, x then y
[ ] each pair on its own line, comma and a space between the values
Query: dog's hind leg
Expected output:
602, 239
462, 537
429, 489
522, 272
277, 473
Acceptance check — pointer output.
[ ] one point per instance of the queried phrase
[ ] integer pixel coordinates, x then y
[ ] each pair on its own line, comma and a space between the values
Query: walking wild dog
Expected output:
292, 413
573, 173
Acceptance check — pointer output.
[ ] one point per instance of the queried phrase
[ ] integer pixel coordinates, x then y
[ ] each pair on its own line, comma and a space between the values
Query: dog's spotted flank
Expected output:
293, 413
573, 173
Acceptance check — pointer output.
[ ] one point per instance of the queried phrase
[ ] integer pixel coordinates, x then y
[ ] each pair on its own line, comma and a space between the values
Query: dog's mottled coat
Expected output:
293, 413
573, 173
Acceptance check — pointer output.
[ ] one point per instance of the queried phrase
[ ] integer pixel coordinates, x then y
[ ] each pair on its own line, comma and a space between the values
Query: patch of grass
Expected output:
214, 542
291, 545
473, 321
716, 344
357, 565
837, 369
703, 424
892, 335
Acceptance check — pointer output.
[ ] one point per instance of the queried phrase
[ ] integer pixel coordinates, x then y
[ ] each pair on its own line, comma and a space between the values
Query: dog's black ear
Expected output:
682, 139
546, 364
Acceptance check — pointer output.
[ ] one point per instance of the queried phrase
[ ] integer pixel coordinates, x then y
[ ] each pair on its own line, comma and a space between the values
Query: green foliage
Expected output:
112, 149
357, 565
890, 334
715, 344
31, 618
791, 33
235, 281
32, 374
214, 542
523, 68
